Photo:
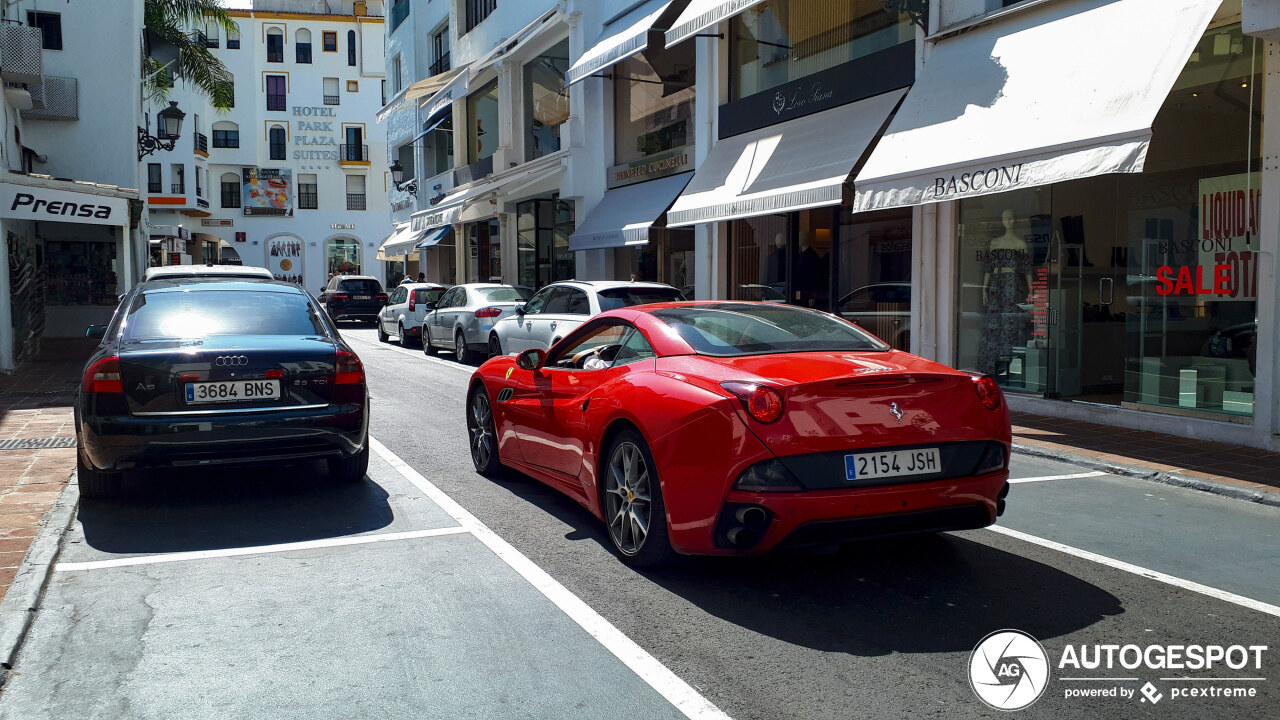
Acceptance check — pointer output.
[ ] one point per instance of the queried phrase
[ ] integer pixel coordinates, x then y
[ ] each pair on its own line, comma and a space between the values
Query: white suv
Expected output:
559, 308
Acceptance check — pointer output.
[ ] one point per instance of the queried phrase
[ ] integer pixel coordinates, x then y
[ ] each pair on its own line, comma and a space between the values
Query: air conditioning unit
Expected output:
21, 55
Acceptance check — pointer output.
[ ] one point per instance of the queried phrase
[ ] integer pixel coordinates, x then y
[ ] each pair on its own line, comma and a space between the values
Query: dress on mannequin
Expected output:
1006, 283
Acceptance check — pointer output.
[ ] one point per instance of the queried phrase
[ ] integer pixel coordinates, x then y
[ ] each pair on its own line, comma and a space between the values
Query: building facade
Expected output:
292, 177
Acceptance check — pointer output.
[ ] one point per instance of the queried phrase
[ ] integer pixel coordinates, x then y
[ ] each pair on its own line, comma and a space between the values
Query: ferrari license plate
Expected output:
234, 391
892, 463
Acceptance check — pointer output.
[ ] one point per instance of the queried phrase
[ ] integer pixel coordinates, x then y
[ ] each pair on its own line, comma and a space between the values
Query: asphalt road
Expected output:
280, 594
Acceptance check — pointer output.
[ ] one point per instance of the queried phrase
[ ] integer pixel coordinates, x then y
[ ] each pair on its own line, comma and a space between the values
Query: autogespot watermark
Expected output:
1010, 670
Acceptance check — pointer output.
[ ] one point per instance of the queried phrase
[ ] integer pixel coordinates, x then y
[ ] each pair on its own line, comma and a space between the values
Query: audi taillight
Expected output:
340, 296
488, 312
103, 377
989, 393
760, 401
349, 369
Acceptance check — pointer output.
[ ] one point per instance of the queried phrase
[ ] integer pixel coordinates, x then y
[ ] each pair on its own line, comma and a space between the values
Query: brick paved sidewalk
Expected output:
35, 404
1198, 460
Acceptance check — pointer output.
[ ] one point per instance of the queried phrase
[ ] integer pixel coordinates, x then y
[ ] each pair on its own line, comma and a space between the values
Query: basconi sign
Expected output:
24, 202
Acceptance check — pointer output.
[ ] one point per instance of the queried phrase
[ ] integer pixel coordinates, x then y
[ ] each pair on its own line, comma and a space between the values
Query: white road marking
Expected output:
658, 676
257, 550
1144, 572
1044, 478
419, 355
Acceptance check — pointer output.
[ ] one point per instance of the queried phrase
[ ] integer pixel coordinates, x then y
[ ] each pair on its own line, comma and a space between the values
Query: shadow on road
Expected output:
207, 509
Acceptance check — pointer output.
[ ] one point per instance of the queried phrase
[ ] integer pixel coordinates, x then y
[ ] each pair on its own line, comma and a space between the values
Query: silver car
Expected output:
406, 310
465, 315
559, 308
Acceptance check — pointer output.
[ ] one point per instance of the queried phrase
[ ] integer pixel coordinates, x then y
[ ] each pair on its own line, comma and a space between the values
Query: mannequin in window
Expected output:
811, 273
775, 265
1006, 283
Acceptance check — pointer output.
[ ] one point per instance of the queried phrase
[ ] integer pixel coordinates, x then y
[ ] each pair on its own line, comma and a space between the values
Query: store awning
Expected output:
423, 88
798, 164
401, 243
432, 123
442, 100
520, 37
396, 104
1038, 97
435, 236
702, 14
621, 39
626, 214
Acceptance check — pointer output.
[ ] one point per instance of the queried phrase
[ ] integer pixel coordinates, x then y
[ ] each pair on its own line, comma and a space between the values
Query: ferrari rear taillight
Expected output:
760, 401
488, 312
349, 369
103, 377
988, 391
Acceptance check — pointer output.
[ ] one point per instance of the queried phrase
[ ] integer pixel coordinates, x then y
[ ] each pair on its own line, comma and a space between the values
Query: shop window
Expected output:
783, 258
543, 227
51, 24
872, 272
1132, 289
546, 100
653, 114
80, 273
343, 256
484, 249
482, 123
437, 148
778, 41
302, 47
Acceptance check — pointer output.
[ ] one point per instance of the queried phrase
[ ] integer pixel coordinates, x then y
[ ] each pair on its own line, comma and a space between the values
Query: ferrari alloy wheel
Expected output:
633, 505
480, 433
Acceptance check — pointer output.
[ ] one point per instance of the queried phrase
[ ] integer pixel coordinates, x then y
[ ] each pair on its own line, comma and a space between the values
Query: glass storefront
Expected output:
652, 113
873, 274
777, 41
80, 273
783, 258
543, 227
484, 250
343, 257
482, 123
1137, 290
546, 100
667, 258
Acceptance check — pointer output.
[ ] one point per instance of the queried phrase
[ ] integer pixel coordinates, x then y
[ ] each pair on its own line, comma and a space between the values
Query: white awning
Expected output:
520, 37
396, 104
455, 89
423, 88
626, 214
401, 243
702, 14
1039, 97
434, 236
621, 39
798, 164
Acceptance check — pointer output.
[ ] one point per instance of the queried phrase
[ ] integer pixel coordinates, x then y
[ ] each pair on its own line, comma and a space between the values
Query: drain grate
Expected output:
37, 443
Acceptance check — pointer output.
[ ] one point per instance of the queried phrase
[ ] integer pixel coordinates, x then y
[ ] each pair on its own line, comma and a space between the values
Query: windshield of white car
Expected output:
732, 329
614, 298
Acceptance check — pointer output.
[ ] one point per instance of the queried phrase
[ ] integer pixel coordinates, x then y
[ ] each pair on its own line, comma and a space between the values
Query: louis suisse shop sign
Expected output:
26, 202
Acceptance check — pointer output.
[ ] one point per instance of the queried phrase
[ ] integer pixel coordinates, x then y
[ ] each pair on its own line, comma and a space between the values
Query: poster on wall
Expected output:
284, 258
268, 191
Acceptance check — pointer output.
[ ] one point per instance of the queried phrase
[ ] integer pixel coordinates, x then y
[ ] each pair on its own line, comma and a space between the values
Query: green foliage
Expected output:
170, 22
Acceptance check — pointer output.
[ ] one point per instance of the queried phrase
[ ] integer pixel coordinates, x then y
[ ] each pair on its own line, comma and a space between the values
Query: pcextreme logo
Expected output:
1010, 670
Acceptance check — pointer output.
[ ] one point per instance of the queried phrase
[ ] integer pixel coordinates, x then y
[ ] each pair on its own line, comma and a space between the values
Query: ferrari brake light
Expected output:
340, 296
988, 391
350, 371
488, 312
103, 377
760, 401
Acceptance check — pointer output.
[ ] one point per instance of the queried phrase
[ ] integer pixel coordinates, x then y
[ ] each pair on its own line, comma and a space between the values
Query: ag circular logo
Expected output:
1008, 670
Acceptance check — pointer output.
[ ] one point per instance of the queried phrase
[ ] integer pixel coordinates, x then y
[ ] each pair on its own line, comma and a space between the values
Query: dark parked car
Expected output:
354, 297
208, 371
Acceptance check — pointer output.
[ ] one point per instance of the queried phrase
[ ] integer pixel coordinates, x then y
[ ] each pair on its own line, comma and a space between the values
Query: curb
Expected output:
19, 606
1262, 497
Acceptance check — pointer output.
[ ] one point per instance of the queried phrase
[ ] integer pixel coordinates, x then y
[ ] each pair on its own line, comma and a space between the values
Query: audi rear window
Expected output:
362, 287
614, 298
731, 329
501, 294
206, 313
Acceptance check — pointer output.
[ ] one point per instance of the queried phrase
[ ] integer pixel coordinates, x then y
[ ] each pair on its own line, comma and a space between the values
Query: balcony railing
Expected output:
354, 153
202, 143
308, 200
355, 201
439, 66
21, 54
201, 202
333, 99
179, 188
61, 100
399, 11
155, 187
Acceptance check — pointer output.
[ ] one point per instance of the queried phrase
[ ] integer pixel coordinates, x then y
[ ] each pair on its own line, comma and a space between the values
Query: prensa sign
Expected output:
25, 202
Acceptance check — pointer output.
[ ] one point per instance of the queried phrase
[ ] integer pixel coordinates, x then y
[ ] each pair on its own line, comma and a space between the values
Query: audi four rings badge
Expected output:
231, 360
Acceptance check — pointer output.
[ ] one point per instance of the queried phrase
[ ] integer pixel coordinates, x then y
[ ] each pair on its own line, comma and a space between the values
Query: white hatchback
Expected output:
559, 308
406, 309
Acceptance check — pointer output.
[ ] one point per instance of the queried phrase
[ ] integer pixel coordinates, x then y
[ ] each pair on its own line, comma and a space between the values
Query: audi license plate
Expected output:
892, 463
235, 391
361, 297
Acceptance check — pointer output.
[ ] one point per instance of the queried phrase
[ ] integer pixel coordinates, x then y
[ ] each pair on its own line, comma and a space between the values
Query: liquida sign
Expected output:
25, 202
1224, 253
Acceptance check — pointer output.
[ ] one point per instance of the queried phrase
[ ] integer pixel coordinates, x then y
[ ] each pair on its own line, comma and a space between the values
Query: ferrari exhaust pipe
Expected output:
743, 536
751, 516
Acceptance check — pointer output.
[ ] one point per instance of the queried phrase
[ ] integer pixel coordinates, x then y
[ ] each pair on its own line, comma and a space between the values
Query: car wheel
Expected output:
427, 348
96, 483
352, 469
404, 340
460, 349
481, 434
382, 335
633, 506
495, 346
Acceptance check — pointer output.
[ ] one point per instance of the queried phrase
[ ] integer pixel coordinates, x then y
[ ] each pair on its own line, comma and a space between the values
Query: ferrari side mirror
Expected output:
532, 359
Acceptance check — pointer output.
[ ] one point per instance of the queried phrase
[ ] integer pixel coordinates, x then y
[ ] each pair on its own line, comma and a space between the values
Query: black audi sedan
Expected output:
211, 372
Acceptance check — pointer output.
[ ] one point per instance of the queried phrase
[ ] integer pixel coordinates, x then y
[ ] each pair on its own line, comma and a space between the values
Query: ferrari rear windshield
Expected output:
627, 296
206, 313
730, 329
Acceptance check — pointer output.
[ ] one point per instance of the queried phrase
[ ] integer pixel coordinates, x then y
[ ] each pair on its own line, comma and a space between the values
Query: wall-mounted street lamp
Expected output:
168, 128
397, 177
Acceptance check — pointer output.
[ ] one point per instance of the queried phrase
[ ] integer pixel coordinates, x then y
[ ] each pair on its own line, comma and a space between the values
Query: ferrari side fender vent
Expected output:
505, 394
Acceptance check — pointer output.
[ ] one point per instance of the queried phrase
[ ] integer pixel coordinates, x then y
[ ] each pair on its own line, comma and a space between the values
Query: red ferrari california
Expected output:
737, 427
